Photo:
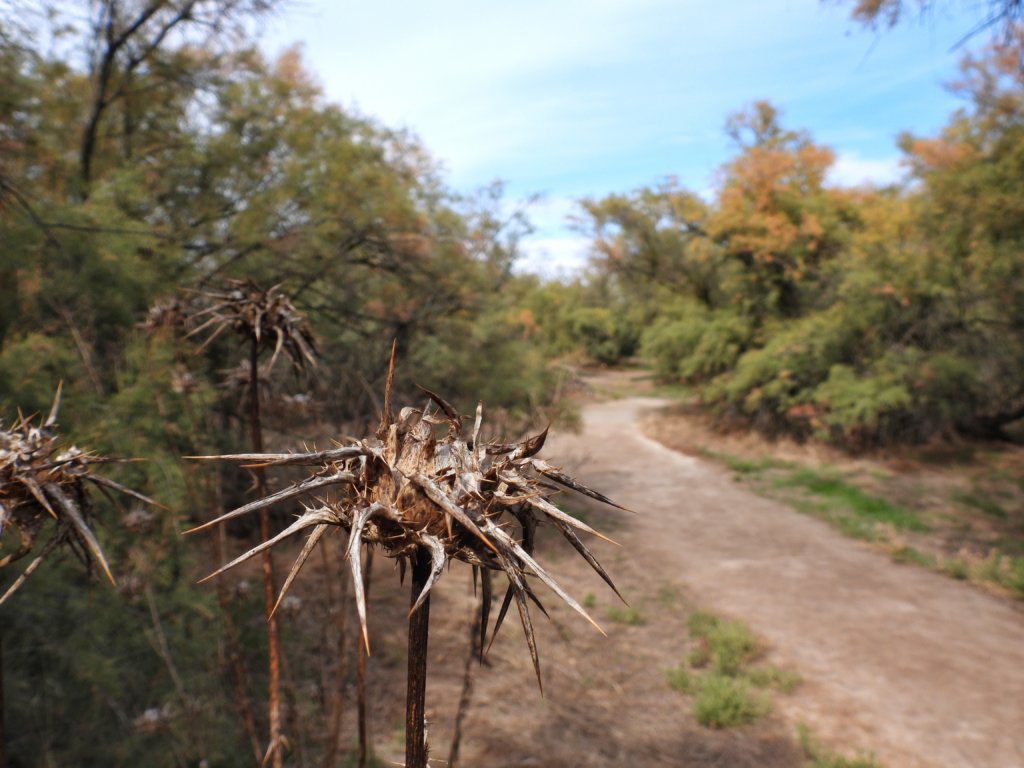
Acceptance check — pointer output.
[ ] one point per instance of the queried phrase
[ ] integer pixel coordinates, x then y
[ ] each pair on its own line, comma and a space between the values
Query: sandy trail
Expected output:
919, 668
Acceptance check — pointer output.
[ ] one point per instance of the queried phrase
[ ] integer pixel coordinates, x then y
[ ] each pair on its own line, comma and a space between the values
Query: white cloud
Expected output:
554, 257
852, 170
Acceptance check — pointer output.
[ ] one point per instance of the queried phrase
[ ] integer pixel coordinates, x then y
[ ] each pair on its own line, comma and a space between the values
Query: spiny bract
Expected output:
39, 481
414, 494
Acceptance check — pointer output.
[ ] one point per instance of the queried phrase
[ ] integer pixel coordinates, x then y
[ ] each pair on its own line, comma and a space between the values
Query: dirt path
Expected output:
918, 668
923, 670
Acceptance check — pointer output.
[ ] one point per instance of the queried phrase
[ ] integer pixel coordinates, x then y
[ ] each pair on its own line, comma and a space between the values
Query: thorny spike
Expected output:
55, 539
277, 347
562, 479
387, 417
51, 420
444, 405
37, 492
531, 445
310, 459
440, 498
505, 603
297, 489
437, 561
587, 555
500, 536
71, 513
518, 590
478, 450
108, 483
300, 561
310, 518
485, 608
556, 514
359, 519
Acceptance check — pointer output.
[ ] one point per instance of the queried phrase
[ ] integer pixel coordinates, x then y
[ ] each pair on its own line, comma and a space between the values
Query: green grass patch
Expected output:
726, 702
626, 615
746, 466
912, 556
956, 568
864, 508
682, 680
981, 501
770, 676
730, 645
1010, 573
719, 701
819, 757
700, 656
590, 600
720, 676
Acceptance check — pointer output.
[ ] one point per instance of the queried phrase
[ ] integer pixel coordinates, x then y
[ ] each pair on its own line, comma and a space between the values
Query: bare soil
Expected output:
918, 668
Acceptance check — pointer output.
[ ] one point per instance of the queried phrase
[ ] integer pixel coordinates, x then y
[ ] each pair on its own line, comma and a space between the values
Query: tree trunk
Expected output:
416, 688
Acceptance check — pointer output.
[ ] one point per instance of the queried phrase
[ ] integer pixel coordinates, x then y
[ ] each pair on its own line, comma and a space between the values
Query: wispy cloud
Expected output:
851, 170
579, 98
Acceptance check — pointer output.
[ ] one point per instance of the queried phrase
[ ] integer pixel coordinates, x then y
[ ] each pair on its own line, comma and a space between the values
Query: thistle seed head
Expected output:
43, 481
424, 487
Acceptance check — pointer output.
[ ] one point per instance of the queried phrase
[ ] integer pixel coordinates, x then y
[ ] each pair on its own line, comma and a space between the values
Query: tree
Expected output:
1000, 16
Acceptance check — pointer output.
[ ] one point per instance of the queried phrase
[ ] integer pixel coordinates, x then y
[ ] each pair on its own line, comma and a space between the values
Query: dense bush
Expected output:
859, 316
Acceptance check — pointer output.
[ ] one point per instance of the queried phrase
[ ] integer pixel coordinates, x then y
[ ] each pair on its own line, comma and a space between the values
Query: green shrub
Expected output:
597, 331
695, 345
731, 643
725, 702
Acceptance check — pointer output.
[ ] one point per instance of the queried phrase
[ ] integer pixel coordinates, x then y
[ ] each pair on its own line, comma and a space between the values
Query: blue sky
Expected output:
574, 98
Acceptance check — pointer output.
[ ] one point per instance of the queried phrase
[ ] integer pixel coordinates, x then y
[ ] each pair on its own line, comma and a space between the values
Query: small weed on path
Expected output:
721, 675
819, 757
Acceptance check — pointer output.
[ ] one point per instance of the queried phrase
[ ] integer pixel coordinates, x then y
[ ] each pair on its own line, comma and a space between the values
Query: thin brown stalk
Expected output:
163, 650
274, 752
338, 702
416, 683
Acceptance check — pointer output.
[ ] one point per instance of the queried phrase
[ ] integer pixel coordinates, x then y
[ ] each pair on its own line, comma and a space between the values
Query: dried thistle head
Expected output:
414, 494
266, 317
40, 481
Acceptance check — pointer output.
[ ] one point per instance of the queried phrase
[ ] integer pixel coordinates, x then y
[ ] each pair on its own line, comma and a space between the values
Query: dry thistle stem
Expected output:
41, 480
414, 494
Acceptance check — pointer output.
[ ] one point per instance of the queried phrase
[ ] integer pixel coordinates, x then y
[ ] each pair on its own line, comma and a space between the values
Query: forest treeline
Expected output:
862, 316
149, 151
